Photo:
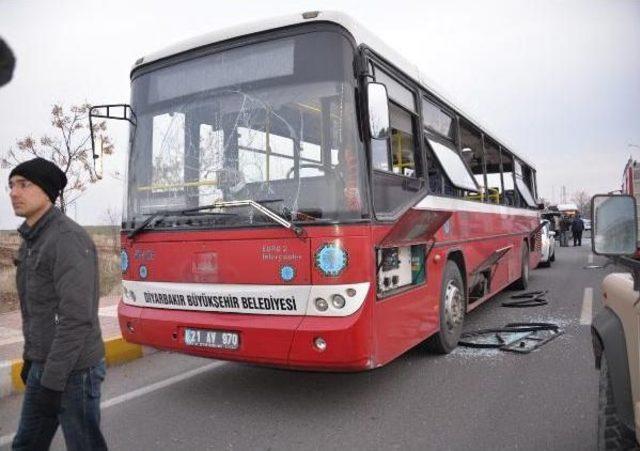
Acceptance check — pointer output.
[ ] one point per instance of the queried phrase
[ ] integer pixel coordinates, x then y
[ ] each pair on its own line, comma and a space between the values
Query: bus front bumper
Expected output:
282, 341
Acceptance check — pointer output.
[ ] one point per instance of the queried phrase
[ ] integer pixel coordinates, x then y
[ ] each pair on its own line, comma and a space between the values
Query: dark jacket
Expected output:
577, 225
58, 286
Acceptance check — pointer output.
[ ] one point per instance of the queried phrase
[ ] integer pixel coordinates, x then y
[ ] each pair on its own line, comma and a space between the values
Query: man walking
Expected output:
57, 279
577, 226
564, 230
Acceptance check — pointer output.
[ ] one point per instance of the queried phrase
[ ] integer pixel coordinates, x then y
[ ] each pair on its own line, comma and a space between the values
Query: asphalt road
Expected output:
470, 399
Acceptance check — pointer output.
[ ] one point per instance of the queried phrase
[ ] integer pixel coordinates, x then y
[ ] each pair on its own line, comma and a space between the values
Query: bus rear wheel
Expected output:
453, 307
523, 282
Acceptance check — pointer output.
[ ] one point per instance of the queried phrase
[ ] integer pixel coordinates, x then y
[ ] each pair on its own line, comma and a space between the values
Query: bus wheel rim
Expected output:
453, 306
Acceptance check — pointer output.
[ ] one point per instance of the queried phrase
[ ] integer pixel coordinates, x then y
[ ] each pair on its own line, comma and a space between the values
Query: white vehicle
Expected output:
587, 224
548, 244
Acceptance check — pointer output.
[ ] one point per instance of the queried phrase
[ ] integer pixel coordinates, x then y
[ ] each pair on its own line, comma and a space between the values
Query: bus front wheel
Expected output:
453, 307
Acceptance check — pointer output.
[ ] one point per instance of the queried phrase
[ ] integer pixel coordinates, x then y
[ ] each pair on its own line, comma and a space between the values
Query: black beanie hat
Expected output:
43, 173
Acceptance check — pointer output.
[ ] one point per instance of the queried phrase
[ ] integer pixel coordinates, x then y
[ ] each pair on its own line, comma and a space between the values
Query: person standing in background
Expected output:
565, 224
577, 227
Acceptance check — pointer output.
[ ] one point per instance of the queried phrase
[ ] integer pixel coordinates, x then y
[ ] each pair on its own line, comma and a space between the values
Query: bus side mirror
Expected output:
615, 225
107, 112
378, 109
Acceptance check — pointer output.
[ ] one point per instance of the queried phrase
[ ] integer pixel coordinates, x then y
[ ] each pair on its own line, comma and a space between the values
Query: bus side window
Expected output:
510, 194
529, 179
524, 185
398, 155
403, 146
437, 121
380, 154
439, 183
495, 191
397, 170
472, 154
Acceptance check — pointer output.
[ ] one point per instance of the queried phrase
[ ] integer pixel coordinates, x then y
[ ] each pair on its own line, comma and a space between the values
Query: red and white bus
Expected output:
297, 196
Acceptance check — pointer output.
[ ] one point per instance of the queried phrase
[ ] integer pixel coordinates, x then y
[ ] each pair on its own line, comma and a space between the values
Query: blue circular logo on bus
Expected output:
331, 259
287, 273
143, 272
124, 260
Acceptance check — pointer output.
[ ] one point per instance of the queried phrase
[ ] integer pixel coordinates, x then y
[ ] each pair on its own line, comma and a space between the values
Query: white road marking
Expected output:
590, 259
158, 385
587, 306
6, 439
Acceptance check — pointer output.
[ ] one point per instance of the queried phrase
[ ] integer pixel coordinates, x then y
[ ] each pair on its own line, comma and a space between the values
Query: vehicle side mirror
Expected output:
540, 205
118, 111
614, 225
378, 109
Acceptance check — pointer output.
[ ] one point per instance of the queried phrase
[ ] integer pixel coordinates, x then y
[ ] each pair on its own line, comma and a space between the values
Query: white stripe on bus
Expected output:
451, 204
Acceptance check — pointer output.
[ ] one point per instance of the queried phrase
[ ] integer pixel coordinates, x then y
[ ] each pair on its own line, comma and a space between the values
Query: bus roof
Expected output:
359, 33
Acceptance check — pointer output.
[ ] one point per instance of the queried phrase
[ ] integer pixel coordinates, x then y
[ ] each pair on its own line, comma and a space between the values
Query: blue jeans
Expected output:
79, 416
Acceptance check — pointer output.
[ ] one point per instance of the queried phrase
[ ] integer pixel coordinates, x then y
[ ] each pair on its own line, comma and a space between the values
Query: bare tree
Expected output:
69, 147
582, 201
113, 218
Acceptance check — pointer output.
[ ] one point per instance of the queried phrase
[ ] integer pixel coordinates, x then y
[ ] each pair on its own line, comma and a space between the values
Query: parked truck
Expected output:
616, 336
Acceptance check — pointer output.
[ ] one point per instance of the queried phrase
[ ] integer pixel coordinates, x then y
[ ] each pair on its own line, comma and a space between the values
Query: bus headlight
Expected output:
338, 301
321, 304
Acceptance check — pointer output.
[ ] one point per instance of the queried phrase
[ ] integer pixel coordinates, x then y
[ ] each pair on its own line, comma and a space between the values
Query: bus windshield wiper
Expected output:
164, 213
140, 227
225, 204
258, 205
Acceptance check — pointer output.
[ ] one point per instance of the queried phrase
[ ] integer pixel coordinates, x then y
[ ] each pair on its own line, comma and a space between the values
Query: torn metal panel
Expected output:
528, 299
513, 337
415, 226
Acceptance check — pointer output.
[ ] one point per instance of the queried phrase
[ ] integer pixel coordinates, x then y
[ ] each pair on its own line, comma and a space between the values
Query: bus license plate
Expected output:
211, 339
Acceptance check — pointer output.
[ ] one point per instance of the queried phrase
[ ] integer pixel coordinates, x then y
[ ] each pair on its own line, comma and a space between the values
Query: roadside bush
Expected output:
110, 274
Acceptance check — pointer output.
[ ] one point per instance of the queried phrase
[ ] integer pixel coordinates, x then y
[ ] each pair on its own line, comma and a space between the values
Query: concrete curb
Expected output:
117, 351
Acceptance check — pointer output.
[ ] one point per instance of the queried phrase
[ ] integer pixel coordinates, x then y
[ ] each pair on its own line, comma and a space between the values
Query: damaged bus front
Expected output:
297, 197
243, 223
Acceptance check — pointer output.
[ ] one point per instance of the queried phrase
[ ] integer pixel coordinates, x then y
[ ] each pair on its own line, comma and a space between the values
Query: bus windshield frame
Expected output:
272, 122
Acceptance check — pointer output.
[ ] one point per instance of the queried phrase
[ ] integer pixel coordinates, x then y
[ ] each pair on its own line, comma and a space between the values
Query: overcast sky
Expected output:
557, 80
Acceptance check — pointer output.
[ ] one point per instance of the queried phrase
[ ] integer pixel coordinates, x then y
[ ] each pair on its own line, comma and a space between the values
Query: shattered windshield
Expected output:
272, 122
